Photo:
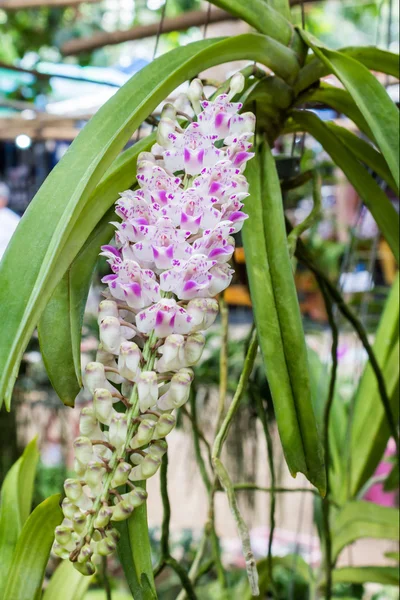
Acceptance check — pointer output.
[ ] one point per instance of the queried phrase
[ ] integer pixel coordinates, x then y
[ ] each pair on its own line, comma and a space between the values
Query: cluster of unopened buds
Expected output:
170, 259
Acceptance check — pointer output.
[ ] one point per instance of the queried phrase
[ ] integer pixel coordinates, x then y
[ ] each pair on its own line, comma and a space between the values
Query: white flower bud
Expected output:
122, 511
143, 434
165, 127
236, 84
118, 429
145, 157
79, 523
147, 389
195, 93
83, 449
121, 474
110, 334
129, 360
85, 553
103, 405
172, 353
94, 474
107, 308
106, 547
203, 312
194, 348
87, 421
94, 377
147, 468
182, 104
60, 551
86, 568
73, 489
69, 509
63, 535
178, 391
136, 497
158, 449
103, 517
168, 111
165, 425
79, 467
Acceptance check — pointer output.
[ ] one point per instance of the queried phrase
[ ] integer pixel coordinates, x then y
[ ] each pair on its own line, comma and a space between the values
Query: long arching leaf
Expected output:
27, 270
64, 315
340, 100
278, 322
67, 583
376, 106
363, 520
375, 199
15, 505
366, 450
371, 57
32, 552
365, 153
263, 17
383, 575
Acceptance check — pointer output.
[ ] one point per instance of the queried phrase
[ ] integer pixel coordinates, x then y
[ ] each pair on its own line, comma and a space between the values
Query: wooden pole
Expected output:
46, 76
194, 18
27, 4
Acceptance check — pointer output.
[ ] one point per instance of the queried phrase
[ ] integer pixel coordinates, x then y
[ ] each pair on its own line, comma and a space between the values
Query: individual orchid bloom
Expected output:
164, 318
168, 262
216, 116
190, 151
133, 285
216, 243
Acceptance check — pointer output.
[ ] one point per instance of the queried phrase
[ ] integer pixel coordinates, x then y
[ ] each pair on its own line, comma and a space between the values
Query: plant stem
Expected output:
223, 362
241, 388
243, 531
106, 581
270, 450
327, 413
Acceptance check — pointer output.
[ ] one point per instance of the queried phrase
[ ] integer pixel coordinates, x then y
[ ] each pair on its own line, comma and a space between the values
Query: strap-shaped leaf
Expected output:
340, 100
366, 450
365, 153
32, 552
370, 574
15, 505
371, 57
61, 322
66, 583
373, 196
134, 552
27, 271
376, 106
278, 320
64, 312
260, 15
363, 520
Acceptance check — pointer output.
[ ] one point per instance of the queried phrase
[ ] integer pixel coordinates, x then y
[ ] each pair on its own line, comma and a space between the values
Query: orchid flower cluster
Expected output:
170, 259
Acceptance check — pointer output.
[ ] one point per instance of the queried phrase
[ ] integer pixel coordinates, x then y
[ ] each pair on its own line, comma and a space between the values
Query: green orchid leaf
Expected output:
367, 451
374, 103
360, 519
392, 482
32, 552
278, 321
338, 99
67, 583
365, 153
373, 196
27, 271
264, 17
383, 575
371, 57
15, 505
64, 314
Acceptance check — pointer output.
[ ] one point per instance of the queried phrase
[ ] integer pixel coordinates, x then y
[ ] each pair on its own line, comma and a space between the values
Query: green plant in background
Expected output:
47, 270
